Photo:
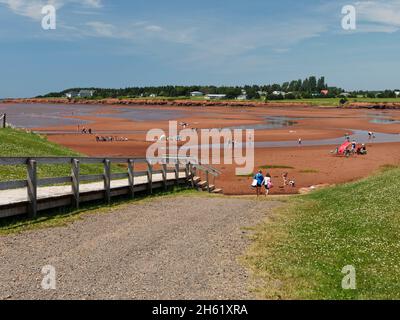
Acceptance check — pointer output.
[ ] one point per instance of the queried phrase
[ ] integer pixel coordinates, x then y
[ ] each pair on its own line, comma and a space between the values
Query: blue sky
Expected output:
116, 43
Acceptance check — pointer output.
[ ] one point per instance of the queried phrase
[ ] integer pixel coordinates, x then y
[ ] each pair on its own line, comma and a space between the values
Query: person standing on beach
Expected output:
267, 183
260, 179
285, 178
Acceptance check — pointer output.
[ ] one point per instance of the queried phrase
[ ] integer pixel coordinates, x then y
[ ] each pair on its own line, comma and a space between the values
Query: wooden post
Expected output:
177, 173
208, 181
187, 170
107, 180
191, 174
32, 188
75, 181
164, 174
150, 177
4, 120
131, 177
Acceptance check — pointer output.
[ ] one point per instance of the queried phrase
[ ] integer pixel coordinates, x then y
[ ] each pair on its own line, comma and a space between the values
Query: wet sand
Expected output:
312, 165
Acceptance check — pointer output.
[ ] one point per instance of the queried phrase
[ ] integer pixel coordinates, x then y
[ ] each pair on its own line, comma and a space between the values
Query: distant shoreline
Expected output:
199, 103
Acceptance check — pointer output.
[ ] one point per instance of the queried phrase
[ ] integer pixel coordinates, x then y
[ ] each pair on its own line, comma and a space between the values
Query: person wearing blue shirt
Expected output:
260, 179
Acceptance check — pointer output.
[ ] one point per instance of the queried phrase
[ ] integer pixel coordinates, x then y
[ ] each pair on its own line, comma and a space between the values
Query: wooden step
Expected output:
201, 184
217, 191
212, 187
196, 179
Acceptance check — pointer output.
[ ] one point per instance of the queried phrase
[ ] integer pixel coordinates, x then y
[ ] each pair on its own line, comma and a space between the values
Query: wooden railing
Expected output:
172, 166
3, 120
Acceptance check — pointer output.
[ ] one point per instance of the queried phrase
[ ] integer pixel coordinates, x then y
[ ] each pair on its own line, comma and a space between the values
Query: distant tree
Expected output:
312, 83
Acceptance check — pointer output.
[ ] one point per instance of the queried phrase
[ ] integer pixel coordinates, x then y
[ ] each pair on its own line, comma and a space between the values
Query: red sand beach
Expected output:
311, 165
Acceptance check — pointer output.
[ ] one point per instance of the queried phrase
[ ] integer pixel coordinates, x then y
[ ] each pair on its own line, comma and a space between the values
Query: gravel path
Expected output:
183, 247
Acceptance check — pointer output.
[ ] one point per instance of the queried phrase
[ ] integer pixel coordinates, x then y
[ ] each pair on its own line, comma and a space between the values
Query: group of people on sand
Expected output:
260, 181
86, 131
360, 149
110, 139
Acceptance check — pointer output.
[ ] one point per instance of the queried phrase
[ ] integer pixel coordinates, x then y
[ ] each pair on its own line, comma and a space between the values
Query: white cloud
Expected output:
136, 32
33, 8
378, 16
101, 29
154, 28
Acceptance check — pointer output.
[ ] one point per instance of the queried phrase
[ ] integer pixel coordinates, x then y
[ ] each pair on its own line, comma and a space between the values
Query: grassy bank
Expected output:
15, 143
300, 251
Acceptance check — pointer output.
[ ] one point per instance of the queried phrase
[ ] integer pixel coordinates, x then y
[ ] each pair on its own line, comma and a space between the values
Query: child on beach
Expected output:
267, 183
285, 178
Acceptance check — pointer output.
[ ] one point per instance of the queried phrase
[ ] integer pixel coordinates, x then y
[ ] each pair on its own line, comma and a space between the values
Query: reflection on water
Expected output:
45, 115
55, 115
382, 118
385, 121
271, 122
146, 114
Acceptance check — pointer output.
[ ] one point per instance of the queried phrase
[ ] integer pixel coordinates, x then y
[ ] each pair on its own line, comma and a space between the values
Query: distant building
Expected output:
71, 95
242, 97
80, 94
397, 93
279, 93
196, 94
86, 93
215, 96
325, 92
344, 94
153, 95
262, 93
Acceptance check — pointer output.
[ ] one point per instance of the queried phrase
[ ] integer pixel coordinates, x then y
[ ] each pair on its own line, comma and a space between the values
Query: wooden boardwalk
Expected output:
36, 194
14, 196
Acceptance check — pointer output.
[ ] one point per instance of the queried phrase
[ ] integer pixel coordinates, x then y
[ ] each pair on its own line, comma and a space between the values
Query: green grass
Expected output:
276, 167
245, 175
309, 171
14, 143
299, 252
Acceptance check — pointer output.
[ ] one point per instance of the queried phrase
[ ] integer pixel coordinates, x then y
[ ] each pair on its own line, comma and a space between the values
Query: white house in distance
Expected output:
196, 94
397, 93
279, 93
215, 96
86, 93
243, 96
71, 95
80, 94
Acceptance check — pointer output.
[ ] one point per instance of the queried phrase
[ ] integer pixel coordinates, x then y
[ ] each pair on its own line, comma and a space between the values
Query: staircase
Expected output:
194, 172
201, 185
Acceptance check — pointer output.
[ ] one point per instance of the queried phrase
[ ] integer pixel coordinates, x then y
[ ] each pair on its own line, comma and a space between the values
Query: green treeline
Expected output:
311, 87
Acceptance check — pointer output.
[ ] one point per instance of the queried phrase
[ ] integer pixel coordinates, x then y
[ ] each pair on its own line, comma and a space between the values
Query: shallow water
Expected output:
360, 136
45, 115
51, 115
272, 122
146, 114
